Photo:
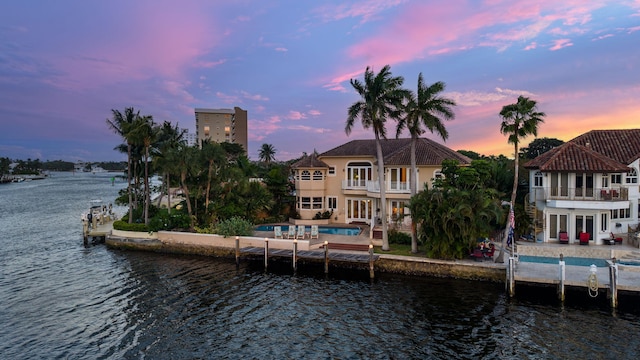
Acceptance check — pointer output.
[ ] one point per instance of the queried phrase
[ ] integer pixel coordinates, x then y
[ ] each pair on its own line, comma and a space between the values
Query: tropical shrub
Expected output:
235, 226
125, 226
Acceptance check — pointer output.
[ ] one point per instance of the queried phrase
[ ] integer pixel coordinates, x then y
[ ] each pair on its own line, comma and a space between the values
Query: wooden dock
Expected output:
344, 256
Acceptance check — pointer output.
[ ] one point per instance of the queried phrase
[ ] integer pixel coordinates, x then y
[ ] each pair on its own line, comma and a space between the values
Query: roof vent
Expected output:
588, 144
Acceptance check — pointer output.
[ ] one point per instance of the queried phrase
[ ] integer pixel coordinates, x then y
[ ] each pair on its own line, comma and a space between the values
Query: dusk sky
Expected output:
65, 64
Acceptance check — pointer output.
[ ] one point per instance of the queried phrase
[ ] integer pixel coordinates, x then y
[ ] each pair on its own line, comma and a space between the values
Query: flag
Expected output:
512, 225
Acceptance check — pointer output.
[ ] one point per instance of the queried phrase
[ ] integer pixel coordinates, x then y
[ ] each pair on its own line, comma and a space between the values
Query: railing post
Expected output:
512, 276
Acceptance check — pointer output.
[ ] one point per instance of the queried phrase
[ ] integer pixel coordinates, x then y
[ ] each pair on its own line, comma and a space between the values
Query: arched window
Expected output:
537, 179
632, 176
317, 175
305, 175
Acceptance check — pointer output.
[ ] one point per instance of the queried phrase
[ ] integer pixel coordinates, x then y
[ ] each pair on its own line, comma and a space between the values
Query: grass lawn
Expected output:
397, 249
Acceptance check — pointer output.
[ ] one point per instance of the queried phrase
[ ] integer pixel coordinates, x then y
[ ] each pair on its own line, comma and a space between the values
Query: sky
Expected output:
65, 64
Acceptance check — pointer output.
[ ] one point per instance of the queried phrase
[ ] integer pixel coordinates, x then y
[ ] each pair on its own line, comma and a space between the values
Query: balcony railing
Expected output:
390, 186
354, 184
587, 194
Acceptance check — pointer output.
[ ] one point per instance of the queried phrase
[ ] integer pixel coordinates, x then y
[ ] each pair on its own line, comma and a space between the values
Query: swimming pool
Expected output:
574, 261
329, 230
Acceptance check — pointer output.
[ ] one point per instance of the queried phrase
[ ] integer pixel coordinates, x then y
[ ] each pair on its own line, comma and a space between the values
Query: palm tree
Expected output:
145, 133
381, 98
425, 109
169, 139
519, 121
214, 156
122, 124
267, 153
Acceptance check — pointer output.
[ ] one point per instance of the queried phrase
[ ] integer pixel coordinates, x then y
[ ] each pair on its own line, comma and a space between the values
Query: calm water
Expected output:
61, 300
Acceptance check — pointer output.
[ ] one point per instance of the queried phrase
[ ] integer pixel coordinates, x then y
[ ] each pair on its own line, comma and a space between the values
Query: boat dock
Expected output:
611, 279
354, 255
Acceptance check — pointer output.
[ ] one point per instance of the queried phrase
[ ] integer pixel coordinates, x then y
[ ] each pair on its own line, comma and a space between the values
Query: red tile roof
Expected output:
594, 151
310, 161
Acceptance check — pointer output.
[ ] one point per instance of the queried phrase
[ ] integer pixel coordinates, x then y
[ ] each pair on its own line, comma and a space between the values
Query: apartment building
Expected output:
222, 125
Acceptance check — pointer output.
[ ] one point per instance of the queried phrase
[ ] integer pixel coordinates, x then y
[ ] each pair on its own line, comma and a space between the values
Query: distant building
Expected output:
222, 125
190, 138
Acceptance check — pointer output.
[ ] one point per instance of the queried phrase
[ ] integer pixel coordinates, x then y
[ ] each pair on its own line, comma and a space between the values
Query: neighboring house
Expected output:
589, 184
345, 179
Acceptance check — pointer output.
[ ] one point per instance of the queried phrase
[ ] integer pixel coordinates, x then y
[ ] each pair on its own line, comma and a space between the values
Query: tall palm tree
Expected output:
382, 96
214, 157
169, 139
267, 153
425, 109
122, 124
519, 121
145, 133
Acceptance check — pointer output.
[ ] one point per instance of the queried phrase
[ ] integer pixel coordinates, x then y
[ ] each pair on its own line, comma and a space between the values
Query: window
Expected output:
317, 203
616, 178
332, 170
305, 203
206, 130
632, 176
332, 202
605, 180
621, 213
537, 179
317, 175
305, 175
604, 222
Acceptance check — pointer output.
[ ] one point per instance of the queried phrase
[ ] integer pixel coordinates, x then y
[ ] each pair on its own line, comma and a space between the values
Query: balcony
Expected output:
393, 187
354, 184
587, 194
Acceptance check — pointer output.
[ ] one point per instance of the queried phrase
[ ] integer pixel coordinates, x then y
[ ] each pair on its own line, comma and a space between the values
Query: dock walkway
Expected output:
334, 255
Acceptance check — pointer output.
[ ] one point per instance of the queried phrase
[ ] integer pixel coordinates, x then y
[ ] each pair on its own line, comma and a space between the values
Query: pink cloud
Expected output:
531, 46
560, 44
366, 10
296, 115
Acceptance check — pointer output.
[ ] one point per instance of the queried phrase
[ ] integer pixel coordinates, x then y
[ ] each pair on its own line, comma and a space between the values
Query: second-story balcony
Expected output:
587, 194
398, 187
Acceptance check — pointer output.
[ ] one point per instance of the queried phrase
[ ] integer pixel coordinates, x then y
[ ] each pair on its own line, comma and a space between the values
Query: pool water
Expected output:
574, 261
330, 230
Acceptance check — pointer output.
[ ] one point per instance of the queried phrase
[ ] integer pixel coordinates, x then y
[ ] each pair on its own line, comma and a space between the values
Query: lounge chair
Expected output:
277, 232
314, 232
301, 233
564, 237
291, 233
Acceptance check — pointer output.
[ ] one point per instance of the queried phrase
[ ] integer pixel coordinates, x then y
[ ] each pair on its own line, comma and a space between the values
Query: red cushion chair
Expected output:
564, 237
584, 238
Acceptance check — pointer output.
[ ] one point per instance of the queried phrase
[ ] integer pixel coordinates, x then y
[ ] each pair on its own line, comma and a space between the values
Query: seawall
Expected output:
219, 246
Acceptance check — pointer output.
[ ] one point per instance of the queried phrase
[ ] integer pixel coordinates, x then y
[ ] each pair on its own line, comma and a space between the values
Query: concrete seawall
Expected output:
219, 246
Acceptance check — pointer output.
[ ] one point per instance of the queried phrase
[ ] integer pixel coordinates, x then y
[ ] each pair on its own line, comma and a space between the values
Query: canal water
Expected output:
61, 300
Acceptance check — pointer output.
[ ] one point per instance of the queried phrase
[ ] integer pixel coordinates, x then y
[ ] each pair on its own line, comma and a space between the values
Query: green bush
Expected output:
162, 220
234, 226
398, 237
125, 226
323, 215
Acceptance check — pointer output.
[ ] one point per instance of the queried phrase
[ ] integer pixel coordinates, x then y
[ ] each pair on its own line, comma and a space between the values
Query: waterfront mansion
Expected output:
344, 180
588, 185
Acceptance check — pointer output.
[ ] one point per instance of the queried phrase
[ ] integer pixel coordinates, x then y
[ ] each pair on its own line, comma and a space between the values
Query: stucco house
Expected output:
587, 185
345, 179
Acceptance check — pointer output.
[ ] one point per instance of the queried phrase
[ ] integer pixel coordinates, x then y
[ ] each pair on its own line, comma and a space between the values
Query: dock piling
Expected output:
295, 255
237, 251
371, 274
326, 257
613, 281
561, 277
511, 276
266, 253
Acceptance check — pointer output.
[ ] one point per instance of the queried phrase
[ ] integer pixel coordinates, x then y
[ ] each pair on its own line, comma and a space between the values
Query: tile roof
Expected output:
398, 151
572, 157
594, 151
310, 161
620, 145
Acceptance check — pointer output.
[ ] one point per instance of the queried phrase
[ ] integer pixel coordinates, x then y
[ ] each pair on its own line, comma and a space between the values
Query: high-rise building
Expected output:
222, 125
